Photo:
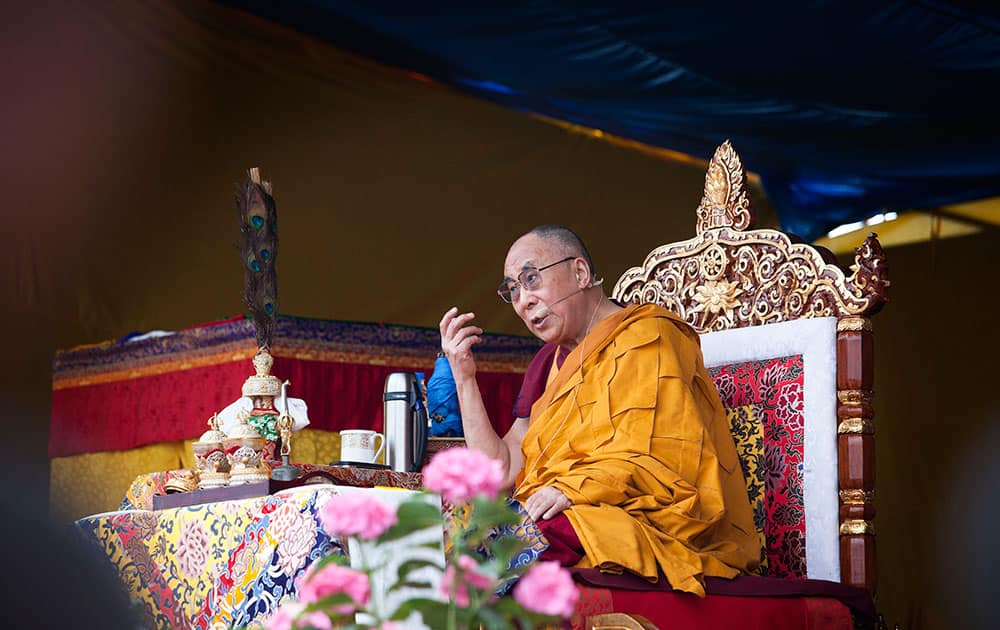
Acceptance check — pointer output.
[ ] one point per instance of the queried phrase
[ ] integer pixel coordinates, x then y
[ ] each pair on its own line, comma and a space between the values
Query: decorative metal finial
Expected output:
725, 202
285, 424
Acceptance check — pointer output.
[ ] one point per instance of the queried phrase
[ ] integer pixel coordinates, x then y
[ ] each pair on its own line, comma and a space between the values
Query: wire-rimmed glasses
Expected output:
530, 278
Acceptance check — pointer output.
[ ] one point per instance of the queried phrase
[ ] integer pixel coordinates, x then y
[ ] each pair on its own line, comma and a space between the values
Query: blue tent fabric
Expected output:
845, 109
442, 402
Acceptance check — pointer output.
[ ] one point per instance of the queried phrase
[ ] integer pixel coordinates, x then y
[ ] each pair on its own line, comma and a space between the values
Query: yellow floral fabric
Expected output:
749, 440
97, 482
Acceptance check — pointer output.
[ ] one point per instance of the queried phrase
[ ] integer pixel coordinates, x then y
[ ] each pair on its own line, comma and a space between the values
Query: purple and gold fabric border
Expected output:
295, 337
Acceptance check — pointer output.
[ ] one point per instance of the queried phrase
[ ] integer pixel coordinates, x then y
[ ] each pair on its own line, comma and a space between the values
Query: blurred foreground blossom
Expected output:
456, 582
462, 474
547, 588
357, 514
289, 616
333, 579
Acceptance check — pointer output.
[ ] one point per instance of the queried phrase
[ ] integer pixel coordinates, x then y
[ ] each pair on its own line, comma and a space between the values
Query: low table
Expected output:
227, 563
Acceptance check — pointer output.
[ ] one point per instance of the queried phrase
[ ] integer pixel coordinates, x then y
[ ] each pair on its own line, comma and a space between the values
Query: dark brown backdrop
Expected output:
127, 126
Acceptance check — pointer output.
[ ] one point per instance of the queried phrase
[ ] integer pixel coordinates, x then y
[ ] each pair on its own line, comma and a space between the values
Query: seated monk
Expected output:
626, 461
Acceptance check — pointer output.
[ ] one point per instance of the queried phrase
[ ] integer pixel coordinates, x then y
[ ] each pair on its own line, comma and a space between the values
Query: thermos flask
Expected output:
405, 422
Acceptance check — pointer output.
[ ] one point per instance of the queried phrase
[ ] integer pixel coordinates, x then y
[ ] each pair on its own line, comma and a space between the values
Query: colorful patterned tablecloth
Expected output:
225, 564
216, 565
232, 563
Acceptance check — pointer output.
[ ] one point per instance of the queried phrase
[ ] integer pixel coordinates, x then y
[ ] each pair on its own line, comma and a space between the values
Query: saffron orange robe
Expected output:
632, 431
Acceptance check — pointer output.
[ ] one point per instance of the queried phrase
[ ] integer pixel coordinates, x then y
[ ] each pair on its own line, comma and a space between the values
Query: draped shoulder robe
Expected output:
632, 431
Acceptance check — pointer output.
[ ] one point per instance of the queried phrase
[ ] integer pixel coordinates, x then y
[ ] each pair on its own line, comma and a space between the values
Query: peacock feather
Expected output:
259, 252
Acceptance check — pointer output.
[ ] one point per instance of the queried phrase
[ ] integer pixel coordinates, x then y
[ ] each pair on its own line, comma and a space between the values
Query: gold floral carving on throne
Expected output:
732, 276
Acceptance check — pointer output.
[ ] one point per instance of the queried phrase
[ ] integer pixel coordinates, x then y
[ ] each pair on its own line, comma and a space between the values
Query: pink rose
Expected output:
462, 579
284, 616
333, 579
357, 514
287, 618
547, 588
315, 619
448, 582
468, 565
460, 474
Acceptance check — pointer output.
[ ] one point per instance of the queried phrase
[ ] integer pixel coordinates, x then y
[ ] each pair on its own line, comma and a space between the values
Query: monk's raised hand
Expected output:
457, 339
546, 503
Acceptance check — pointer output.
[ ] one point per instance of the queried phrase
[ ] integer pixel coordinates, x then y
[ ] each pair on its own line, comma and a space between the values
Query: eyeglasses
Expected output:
530, 279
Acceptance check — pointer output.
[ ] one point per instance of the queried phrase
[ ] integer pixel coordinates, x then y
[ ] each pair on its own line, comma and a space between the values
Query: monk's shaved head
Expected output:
567, 241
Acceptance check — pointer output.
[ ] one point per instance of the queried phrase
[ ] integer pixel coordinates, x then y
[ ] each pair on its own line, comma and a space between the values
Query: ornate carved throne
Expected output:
787, 338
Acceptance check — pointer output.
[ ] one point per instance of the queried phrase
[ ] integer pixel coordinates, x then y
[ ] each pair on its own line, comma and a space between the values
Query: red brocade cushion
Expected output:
683, 611
748, 601
764, 403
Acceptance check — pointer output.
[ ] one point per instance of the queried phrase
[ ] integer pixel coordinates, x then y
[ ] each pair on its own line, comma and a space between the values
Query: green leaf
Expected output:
508, 606
493, 513
413, 564
332, 558
420, 511
434, 612
432, 545
327, 603
525, 622
492, 620
413, 516
408, 584
506, 547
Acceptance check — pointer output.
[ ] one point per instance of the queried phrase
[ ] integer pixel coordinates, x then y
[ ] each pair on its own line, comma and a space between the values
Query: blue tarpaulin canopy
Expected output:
843, 108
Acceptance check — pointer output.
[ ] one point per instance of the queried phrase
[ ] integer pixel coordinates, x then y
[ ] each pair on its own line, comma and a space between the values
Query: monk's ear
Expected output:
582, 273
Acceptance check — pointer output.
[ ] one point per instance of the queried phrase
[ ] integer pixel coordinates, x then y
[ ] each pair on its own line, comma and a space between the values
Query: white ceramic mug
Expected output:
358, 445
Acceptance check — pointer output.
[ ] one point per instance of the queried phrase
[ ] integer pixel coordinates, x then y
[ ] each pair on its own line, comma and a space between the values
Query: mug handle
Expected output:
381, 447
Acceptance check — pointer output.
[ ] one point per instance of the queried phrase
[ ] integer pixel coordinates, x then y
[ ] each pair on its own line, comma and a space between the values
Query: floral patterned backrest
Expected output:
763, 401
780, 420
809, 467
